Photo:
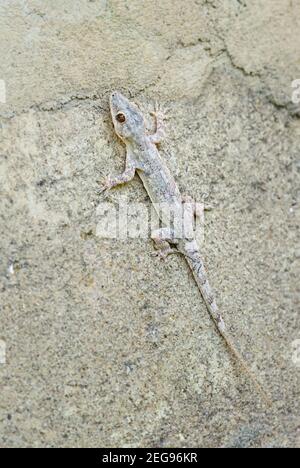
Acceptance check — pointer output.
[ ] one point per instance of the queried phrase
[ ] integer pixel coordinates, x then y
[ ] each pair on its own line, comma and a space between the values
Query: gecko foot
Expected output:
163, 254
105, 185
160, 112
197, 207
162, 246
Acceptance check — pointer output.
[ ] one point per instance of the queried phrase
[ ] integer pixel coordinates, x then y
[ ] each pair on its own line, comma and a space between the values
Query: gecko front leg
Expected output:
123, 178
160, 133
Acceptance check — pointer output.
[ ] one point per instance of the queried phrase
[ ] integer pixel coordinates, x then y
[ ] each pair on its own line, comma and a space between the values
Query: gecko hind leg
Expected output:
162, 239
197, 208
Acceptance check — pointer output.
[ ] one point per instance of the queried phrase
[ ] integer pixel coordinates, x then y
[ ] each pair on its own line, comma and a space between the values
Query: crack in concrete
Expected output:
96, 100
69, 101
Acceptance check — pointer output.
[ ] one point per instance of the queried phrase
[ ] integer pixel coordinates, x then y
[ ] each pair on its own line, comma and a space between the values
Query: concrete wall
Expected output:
104, 345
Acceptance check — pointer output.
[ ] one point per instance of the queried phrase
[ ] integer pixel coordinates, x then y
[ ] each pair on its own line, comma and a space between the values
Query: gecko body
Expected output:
143, 157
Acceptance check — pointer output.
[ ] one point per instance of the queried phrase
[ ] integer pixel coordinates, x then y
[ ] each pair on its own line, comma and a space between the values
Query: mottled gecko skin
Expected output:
142, 156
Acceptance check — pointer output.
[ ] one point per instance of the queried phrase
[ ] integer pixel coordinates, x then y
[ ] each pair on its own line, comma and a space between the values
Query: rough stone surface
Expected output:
105, 346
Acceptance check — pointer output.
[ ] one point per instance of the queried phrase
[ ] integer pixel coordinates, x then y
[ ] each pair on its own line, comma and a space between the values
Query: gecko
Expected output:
143, 158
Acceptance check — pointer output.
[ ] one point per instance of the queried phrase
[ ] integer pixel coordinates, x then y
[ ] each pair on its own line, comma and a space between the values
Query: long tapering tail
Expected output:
195, 262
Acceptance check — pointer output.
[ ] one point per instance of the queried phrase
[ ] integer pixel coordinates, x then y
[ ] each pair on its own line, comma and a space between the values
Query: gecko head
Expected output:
127, 118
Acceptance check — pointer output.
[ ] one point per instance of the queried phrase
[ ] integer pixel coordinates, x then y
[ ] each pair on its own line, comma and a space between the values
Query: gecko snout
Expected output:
115, 94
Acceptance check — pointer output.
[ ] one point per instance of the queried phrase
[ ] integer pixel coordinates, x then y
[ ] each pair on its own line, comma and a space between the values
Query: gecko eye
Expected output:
120, 117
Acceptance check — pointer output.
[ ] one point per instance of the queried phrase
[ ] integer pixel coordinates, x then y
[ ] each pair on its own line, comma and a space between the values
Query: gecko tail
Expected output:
241, 361
199, 272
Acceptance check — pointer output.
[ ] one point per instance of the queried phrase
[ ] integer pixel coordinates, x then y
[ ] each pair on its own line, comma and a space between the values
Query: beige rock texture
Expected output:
102, 345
